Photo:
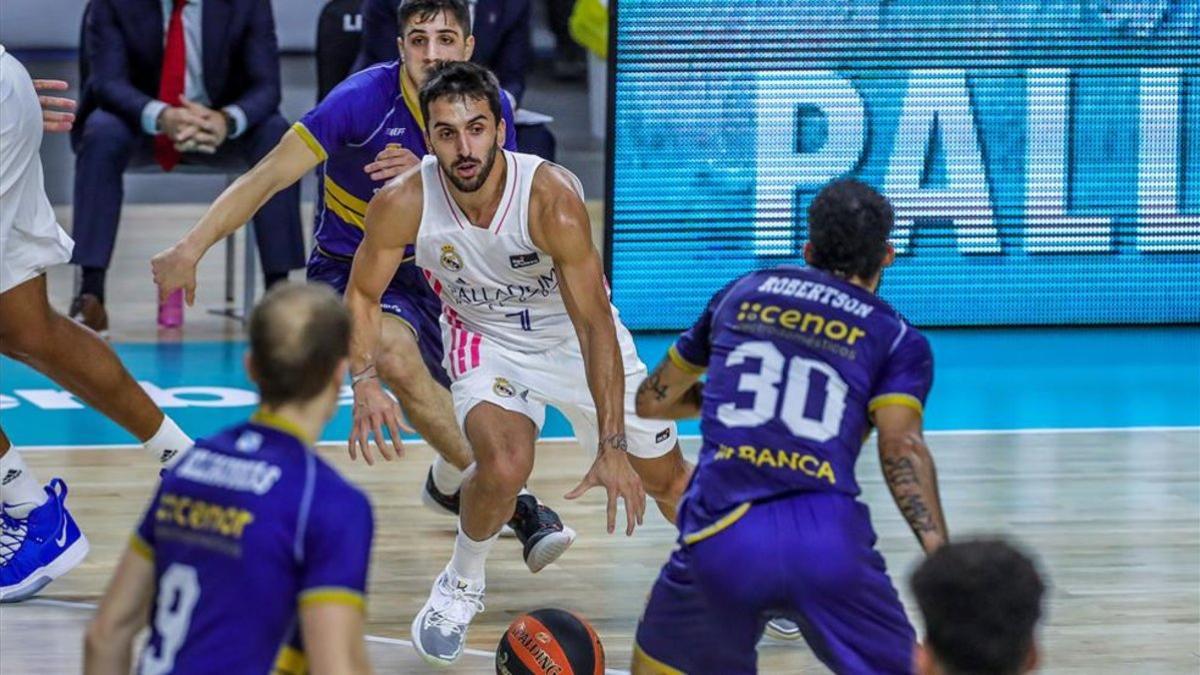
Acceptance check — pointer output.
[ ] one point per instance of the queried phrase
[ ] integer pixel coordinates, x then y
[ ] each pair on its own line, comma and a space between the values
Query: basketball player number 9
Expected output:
801, 381
178, 593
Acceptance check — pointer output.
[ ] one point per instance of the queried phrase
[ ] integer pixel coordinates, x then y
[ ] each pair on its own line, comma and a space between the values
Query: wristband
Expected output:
366, 374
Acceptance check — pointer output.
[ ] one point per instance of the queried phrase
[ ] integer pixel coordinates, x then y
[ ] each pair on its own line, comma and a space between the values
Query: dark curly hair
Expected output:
458, 80
848, 225
426, 10
981, 600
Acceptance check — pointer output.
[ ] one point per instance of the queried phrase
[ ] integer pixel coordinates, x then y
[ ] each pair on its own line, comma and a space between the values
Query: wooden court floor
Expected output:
1114, 517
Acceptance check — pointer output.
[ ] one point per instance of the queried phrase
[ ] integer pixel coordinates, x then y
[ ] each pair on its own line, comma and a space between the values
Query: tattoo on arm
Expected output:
615, 442
653, 385
902, 478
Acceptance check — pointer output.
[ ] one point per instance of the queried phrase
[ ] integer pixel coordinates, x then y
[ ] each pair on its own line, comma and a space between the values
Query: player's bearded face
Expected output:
465, 138
467, 172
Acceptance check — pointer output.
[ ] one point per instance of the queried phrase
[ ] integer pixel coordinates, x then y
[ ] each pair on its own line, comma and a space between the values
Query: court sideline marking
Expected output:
379, 639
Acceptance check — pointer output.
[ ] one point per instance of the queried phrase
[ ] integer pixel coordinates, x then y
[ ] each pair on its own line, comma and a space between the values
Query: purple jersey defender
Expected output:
247, 529
362, 116
797, 359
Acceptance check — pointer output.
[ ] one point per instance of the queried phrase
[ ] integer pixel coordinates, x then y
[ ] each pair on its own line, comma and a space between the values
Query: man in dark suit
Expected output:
502, 45
170, 82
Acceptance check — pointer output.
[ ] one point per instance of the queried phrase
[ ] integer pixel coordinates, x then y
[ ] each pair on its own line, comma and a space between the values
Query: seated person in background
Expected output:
172, 82
368, 130
982, 600
501, 29
256, 549
570, 59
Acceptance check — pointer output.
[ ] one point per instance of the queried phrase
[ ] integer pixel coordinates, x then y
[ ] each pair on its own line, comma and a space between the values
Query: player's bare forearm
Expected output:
333, 640
583, 292
909, 471
389, 227
670, 393
282, 167
562, 228
605, 373
365, 325
108, 642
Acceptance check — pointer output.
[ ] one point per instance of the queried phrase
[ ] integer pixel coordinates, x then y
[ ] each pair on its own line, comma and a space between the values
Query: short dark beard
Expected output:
477, 182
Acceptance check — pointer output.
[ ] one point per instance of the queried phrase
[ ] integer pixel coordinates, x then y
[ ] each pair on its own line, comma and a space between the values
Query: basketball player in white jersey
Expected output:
39, 540
505, 241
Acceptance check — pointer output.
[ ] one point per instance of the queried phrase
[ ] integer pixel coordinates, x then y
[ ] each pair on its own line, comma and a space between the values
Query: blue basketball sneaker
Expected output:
40, 547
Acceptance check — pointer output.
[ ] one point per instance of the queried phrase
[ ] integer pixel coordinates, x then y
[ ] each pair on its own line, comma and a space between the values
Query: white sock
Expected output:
168, 444
20, 490
447, 478
470, 556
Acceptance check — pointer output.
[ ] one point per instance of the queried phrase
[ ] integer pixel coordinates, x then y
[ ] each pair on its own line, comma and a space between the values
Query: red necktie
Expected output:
170, 87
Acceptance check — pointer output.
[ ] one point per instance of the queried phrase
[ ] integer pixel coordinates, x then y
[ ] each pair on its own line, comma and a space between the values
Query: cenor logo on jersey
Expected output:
451, 260
524, 260
503, 388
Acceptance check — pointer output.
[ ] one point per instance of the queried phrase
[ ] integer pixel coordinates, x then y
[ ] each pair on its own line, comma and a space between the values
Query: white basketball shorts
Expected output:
526, 383
30, 237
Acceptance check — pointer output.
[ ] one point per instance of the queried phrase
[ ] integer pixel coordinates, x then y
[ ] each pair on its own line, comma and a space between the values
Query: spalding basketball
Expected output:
551, 642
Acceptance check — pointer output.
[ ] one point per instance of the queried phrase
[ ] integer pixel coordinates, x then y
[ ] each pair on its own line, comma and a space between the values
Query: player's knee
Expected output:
402, 368
504, 470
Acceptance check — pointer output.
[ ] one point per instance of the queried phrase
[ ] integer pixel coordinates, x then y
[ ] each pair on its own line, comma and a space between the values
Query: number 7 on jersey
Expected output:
524, 318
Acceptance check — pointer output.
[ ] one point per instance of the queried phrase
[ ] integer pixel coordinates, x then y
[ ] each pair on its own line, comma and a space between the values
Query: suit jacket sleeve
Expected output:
260, 62
379, 33
110, 68
512, 56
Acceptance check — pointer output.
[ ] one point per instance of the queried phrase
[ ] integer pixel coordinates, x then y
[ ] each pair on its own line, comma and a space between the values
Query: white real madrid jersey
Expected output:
493, 281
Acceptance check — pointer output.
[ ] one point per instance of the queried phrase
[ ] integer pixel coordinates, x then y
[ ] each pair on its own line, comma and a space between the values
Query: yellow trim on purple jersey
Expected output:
346, 206
140, 547
907, 400
403, 321
683, 364
640, 657
277, 422
310, 140
337, 595
725, 521
344, 213
291, 661
411, 100
343, 195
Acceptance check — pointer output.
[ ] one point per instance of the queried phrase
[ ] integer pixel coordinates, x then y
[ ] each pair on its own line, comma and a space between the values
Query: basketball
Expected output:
550, 641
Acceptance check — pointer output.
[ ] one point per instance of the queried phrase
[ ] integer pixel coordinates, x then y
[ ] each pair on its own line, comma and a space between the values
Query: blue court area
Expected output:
1000, 379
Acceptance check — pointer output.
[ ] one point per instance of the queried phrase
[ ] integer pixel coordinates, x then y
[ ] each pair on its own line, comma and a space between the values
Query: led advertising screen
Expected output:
1043, 157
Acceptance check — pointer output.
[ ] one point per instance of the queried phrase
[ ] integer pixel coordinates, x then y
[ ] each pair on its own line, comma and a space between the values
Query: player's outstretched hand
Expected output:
615, 474
374, 410
173, 269
392, 161
55, 120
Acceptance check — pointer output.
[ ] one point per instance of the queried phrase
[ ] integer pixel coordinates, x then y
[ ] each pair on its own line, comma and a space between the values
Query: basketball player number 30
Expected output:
814, 395
178, 592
